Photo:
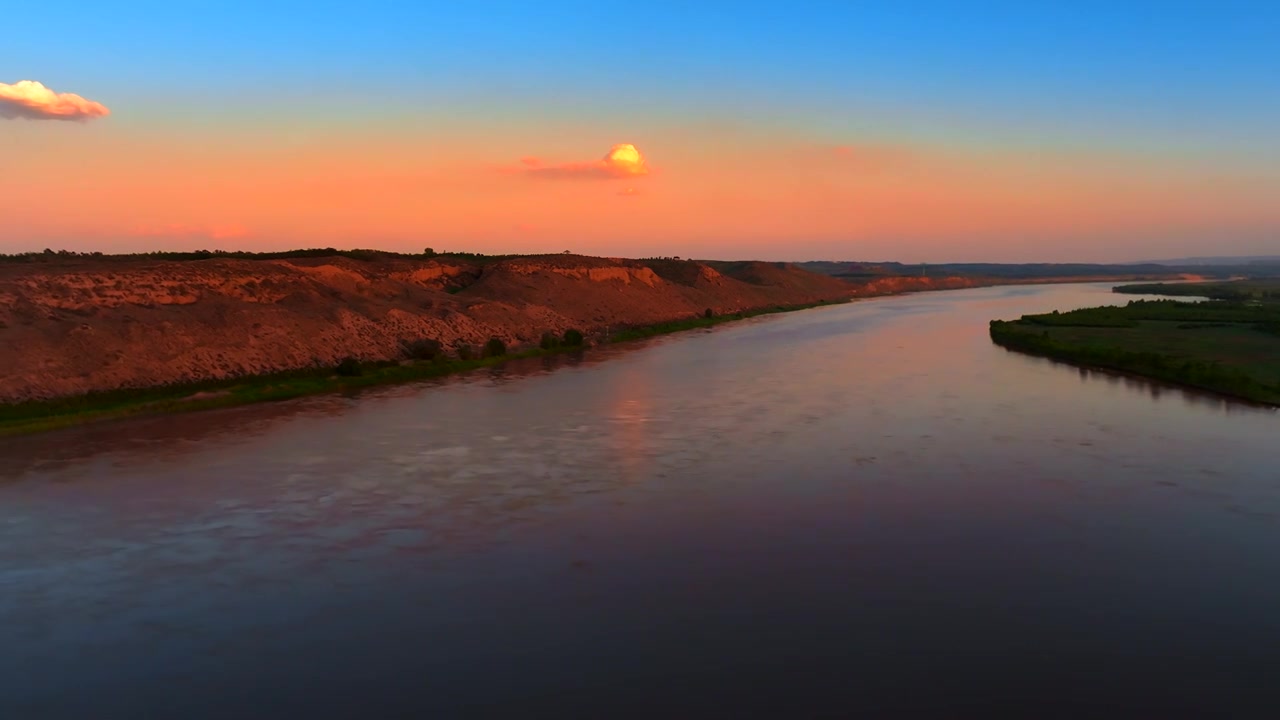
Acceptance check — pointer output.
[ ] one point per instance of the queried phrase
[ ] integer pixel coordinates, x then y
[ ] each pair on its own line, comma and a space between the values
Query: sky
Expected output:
919, 132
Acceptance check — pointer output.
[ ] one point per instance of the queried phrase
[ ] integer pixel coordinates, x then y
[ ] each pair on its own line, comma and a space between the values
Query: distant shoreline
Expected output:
1229, 347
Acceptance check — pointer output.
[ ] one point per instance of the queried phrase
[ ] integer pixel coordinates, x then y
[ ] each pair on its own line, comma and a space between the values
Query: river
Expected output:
866, 507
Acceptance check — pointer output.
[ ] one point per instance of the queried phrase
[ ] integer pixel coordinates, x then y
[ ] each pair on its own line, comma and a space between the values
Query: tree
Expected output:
573, 338
349, 367
423, 349
495, 348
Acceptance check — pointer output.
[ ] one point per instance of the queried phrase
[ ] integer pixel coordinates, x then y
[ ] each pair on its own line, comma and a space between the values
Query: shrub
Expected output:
495, 348
424, 349
349, 367
549, 341
708, 314
466, 352
573, 338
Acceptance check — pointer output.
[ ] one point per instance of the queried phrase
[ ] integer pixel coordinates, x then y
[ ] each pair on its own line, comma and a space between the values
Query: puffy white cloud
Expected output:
33, 101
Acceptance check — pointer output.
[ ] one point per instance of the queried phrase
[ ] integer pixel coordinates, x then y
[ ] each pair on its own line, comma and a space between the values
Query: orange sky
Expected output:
711, 190
862, 131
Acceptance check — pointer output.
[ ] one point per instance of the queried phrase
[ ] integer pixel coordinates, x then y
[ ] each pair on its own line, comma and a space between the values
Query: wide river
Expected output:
866, 507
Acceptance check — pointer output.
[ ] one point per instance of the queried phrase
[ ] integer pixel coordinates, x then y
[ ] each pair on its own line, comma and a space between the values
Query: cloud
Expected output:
622, 161
192, 232
629, 191
33, 101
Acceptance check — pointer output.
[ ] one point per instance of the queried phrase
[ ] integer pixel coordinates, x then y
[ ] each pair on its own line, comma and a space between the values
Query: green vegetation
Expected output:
1256, 289
549, 341
702, 321
423, 349
1226, 346
350, 375
349, 367
39, 416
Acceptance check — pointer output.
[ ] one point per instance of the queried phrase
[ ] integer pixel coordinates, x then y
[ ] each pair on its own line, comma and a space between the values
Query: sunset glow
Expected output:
626, 160
758, 149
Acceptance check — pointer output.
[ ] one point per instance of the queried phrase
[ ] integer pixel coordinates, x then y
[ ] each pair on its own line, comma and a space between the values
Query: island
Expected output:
1228, 344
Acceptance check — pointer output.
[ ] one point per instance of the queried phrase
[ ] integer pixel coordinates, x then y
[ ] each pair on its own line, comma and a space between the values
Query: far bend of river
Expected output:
862, 508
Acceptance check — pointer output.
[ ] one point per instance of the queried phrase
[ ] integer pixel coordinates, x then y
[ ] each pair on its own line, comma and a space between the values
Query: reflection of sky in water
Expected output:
742, 475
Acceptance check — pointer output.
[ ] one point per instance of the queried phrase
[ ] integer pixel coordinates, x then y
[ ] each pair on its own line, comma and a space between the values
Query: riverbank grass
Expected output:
705, 320
40, 416
1230, 347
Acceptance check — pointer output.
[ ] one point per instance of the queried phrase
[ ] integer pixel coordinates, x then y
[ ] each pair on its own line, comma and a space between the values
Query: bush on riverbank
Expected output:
424, 349
349, 367
495, 348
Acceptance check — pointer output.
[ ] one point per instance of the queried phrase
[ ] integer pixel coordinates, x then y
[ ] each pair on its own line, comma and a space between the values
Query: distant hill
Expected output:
1002, 271
853, 270
1222, 260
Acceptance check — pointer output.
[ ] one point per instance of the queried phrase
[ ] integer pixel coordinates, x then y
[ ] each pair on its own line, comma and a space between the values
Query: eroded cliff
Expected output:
85, 325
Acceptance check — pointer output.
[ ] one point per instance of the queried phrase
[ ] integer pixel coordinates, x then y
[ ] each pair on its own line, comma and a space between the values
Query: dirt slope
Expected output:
81, 325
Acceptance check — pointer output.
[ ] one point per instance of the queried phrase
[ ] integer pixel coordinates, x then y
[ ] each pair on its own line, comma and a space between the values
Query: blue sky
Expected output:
1190, 57
1184, 83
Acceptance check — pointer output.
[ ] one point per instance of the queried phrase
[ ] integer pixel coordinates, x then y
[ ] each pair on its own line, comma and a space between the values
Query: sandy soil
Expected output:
84, 324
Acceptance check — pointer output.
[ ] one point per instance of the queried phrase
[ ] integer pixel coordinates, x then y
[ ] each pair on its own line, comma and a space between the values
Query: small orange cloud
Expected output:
33, 101
622, 161
629, 191
192, 232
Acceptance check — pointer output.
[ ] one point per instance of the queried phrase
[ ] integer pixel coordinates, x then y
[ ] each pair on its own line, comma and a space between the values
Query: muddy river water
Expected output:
867, 507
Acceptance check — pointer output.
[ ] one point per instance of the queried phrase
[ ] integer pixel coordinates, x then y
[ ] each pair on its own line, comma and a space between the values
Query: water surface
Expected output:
859, 508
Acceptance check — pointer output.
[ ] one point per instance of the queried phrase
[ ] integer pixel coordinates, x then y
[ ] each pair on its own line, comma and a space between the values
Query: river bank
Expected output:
43, 415
1226, 347
79, 324
387, 365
